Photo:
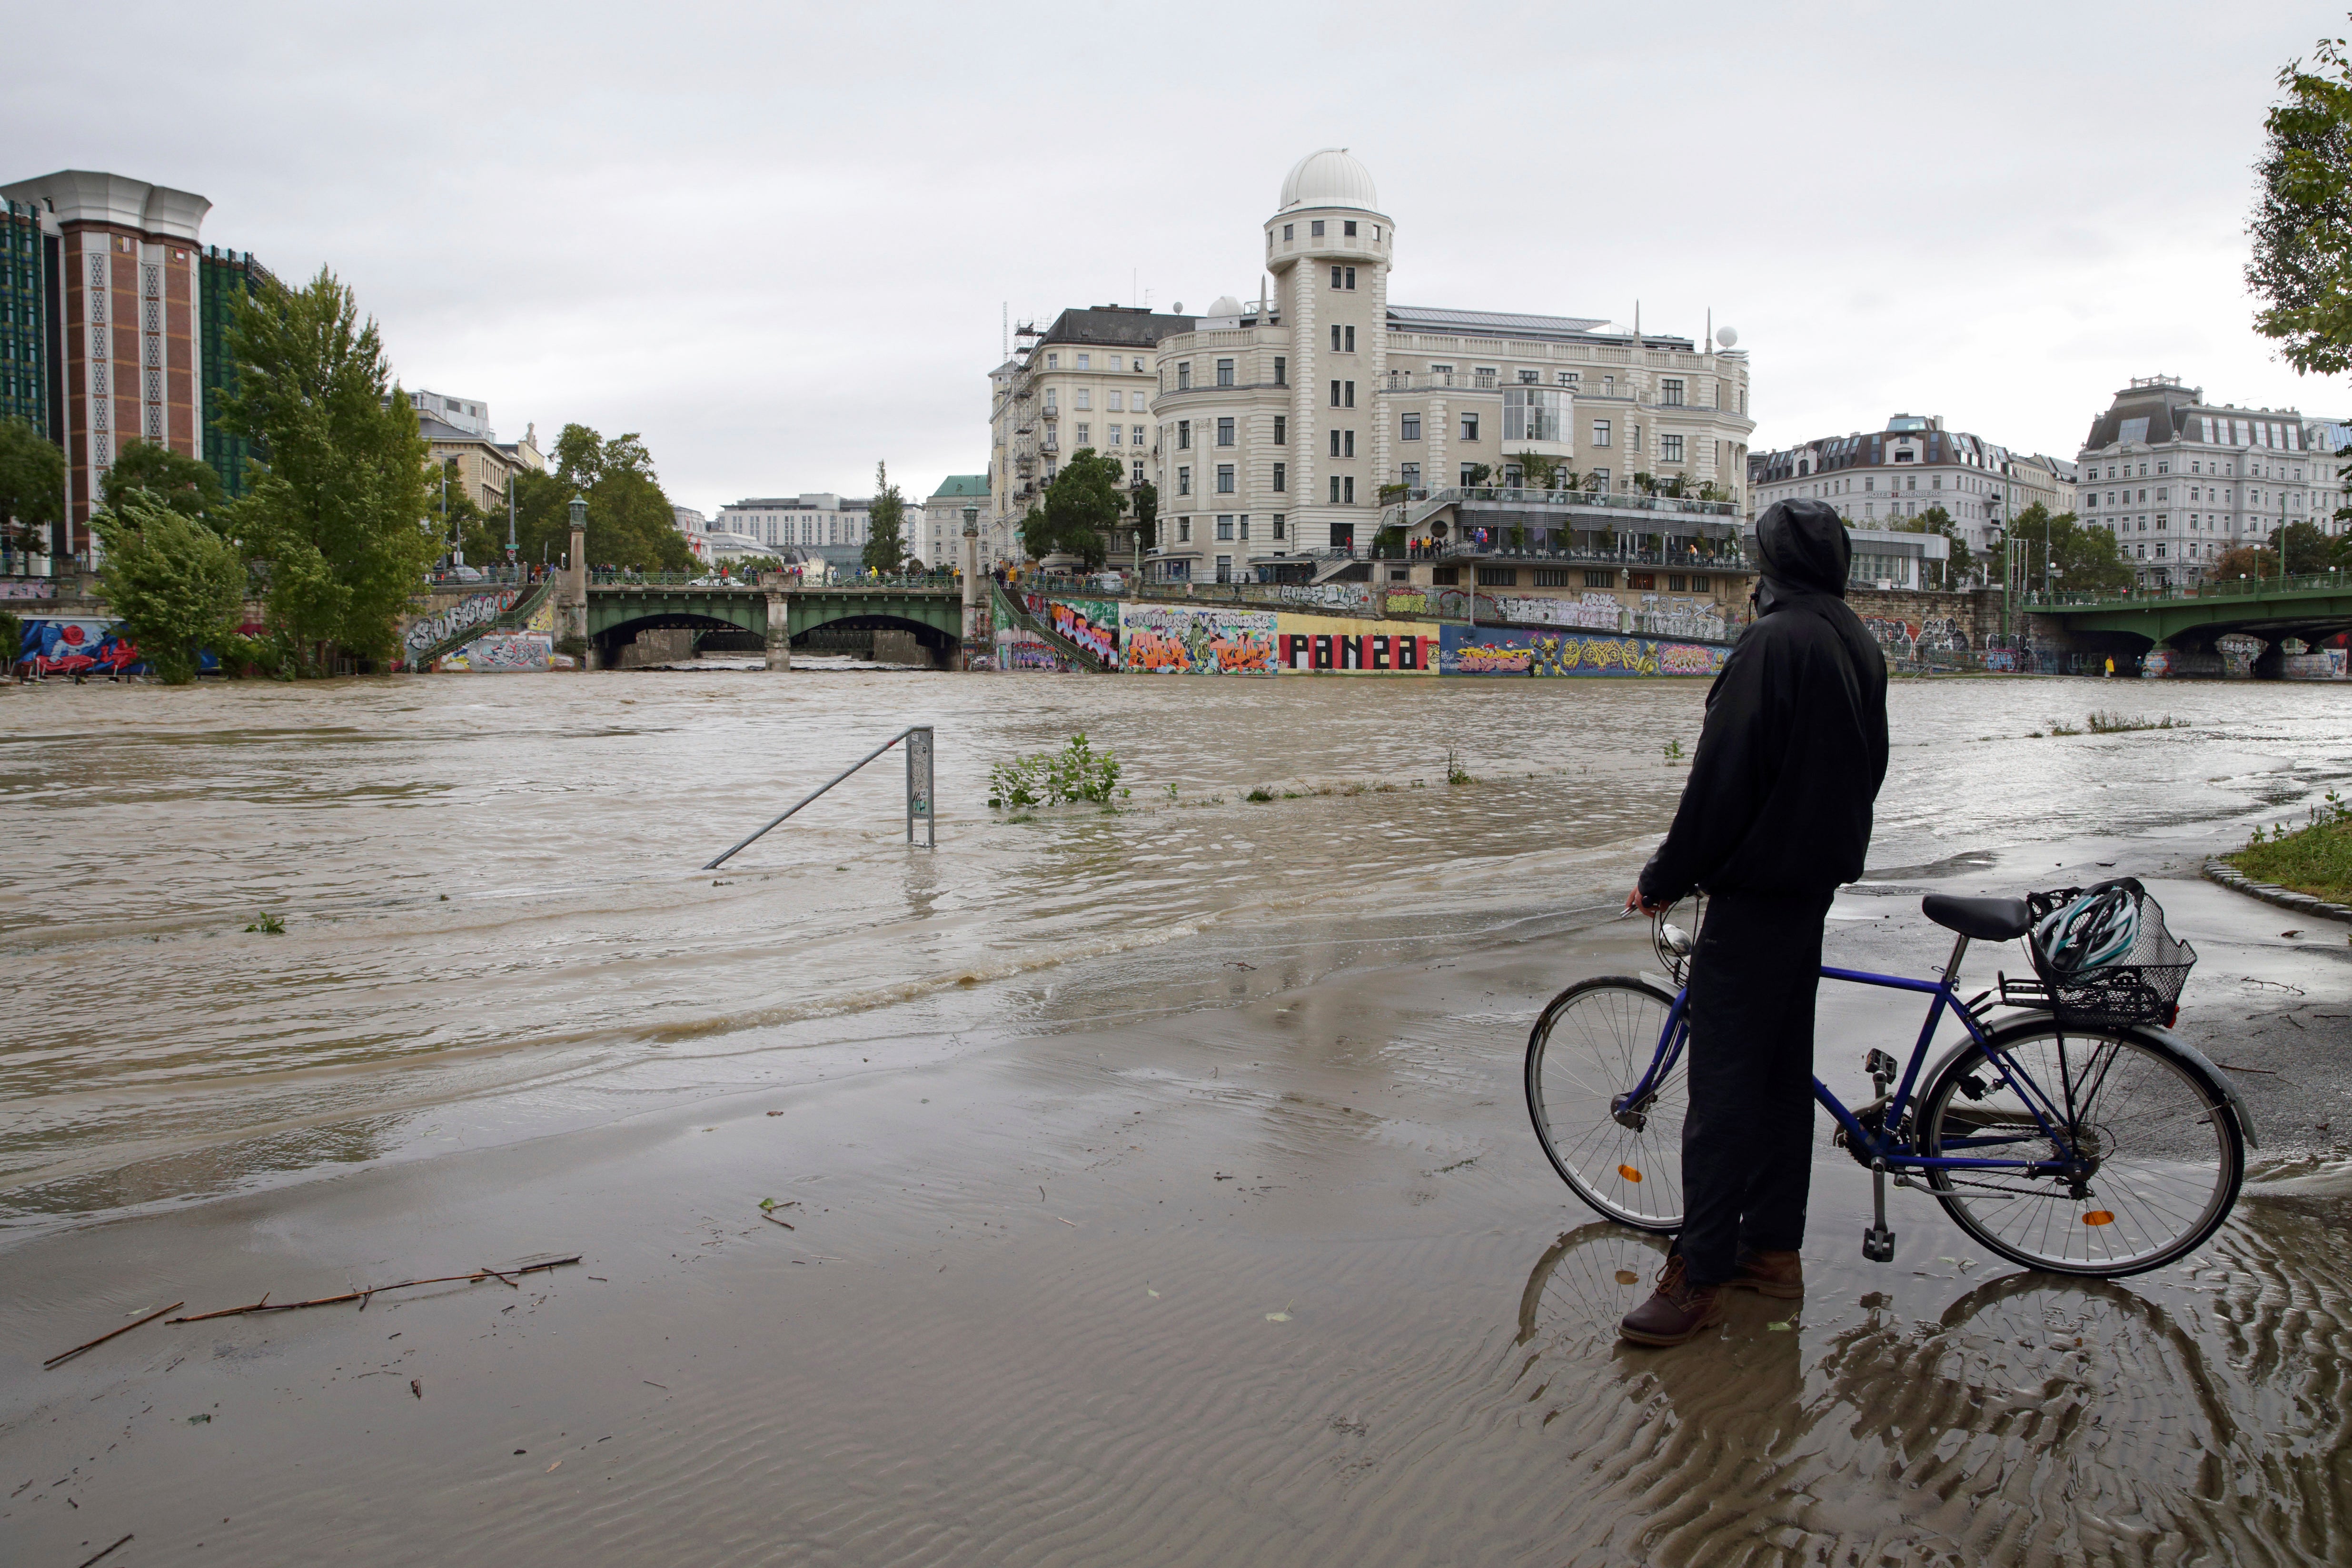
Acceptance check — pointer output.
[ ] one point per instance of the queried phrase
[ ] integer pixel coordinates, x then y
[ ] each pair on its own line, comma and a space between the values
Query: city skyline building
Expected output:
126, 304
818, 524
2180, 481
1877, 478
935, 535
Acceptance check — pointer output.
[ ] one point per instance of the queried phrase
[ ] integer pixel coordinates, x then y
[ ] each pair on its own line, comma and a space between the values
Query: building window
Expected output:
1226, 528
1225, 478
1224, 432
1445, 575
1083, 429
1335, 340
1498, 577
1287, 235
1053, 362
1224, 373
1645, 582
1183, 530
1314, 228
1281, 482
1350, 401
1335, 489
1599, 580
1116, 404
1566, 378
1136, 435
1348, 229
1052, 408
1469, 427
1670, 393
1699, 585
1183, 480
1184, 375
1409, 428
1183, 436
1670, 448
1278, 517
1600, 433
1336, 272
1347, 490
1282, 430
1410, 473
1347, 444
1351, 277
1282, 369
1549, 577
1335, 394
1244, 522
1085, 362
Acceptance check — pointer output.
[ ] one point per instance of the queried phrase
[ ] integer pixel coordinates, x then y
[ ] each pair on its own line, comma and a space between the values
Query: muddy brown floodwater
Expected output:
1159, 1180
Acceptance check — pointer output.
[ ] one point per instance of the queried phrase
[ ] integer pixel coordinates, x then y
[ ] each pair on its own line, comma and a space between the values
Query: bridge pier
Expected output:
780, 636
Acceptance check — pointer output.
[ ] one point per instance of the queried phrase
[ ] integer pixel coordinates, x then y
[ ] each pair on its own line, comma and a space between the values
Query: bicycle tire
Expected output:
2139, 1211
1592, 1043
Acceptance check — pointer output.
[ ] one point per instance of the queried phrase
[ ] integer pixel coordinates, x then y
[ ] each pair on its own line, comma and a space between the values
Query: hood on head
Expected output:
1804, 547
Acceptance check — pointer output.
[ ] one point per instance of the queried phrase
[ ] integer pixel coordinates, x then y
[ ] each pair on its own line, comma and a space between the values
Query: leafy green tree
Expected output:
885, 524
2303, 546
1083, 501
1539, 473
1936, 521
2085, 558
178, 586
31, 489
2301, 265
186, 485
336, 511
1144, 500
2247, 561
630, 522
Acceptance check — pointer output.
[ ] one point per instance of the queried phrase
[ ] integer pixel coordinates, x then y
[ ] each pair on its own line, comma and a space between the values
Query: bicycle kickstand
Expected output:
1878, 1242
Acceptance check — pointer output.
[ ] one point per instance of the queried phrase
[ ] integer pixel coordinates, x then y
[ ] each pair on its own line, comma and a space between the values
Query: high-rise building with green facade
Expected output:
223, 276
26, 320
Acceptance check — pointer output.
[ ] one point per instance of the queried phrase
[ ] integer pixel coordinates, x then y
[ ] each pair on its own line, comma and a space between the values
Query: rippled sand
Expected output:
1204, 1225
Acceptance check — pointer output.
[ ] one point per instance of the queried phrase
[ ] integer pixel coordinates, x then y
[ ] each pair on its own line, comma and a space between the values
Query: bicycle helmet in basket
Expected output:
2091, 931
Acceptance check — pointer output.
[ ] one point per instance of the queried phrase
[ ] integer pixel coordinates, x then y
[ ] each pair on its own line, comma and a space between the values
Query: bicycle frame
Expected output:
1881, 1146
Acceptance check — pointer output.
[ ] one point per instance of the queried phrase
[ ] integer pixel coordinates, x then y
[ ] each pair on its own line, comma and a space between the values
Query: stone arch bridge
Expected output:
932, 613
2188, 619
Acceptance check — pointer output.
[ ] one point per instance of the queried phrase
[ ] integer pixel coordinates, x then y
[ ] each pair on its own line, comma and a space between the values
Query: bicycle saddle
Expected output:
1985, 919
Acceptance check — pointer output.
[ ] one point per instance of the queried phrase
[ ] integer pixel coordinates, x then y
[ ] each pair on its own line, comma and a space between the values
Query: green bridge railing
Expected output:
2333, 582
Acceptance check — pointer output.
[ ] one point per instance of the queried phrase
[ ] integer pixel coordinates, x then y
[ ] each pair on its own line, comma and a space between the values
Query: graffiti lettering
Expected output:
1184, 640
478, 611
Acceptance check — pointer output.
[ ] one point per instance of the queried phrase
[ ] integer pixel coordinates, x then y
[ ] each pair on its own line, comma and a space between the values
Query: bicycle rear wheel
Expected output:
1591, 1045
2161, 1150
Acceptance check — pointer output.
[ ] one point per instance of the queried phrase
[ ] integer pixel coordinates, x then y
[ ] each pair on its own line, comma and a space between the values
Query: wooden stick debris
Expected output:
360, 1296
86, 1561
774, 1220
61, 1359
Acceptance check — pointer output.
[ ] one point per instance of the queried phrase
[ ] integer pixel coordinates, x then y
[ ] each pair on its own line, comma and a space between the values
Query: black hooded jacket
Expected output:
1794, 748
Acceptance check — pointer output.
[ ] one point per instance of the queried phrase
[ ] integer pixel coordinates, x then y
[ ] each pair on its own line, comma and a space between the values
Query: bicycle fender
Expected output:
2213, 1075
2156, 1035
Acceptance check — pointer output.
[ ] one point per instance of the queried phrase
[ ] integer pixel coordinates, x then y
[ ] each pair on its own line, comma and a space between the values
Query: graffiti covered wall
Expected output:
1323, 644
1519, 650
1196, 640
65, 646
1091, 623
1017, 650
501, 653
480, 610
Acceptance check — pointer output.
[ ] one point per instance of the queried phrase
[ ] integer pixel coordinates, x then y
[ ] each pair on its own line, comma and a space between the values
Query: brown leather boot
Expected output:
1679, 1313
1780, 1275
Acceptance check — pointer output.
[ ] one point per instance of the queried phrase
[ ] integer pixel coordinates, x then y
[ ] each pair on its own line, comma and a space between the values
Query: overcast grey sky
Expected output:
777, 239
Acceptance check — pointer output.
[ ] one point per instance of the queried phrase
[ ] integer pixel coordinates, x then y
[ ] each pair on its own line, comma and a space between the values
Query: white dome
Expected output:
1226, 305
1330, 178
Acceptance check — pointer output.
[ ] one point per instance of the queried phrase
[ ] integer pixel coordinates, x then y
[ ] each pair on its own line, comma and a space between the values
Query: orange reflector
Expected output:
1627, 1277
1628, 1173
2099, 1216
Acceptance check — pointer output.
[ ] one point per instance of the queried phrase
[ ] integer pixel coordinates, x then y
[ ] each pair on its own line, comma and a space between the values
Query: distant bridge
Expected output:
932, 611
2188, 619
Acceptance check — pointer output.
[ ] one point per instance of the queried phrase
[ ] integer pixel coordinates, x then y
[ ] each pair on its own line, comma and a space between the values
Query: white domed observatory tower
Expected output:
1328, 248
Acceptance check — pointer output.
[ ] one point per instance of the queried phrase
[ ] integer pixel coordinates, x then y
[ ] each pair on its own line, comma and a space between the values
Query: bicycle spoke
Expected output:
1596, 1044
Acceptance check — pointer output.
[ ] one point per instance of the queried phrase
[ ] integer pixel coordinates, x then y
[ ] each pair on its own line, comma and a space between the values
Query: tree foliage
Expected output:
186, 485
2301, 265
177, 586
2085, 557
885, 524
630, 521
1936, 521
1081, 503
337, 512
32, 485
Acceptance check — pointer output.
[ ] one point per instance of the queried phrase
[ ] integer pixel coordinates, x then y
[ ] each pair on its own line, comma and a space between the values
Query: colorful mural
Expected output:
1018, 650
28, 587
1910, 639
1323, 644
1091, 623
72, 647
1514, 651
501, 653
1196, 640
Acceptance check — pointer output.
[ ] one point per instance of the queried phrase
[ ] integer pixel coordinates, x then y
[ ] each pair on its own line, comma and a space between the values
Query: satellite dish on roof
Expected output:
1727, 337
1178, 309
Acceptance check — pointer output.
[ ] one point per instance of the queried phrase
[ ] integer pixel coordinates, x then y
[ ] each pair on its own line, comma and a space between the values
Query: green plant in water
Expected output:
269, 925
1455, 772
1076, 772
1260, 793
1674, 750
2102, 722
2058, 728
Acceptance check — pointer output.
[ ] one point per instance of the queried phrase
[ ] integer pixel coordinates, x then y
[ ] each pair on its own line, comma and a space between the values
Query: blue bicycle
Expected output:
2071, 1131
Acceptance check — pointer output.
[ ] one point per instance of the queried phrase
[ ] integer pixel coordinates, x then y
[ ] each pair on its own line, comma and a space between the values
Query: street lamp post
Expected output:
971, 582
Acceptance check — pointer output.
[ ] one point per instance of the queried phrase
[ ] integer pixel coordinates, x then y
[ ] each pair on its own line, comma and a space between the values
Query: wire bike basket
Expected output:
2142, 985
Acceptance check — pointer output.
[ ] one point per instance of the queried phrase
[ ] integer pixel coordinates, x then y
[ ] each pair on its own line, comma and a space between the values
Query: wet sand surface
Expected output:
1156, 1188
1261, 1268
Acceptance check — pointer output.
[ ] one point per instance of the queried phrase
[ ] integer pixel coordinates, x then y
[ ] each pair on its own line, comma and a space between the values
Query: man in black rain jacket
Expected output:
1776, 815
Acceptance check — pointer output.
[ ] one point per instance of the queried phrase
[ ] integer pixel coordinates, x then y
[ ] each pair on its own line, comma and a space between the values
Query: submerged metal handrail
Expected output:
919, 787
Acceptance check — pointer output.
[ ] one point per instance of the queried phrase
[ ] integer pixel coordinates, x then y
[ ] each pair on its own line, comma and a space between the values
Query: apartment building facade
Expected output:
935, 536
1280, 427
2180, 482
1879, 477
819, 525
1085, 382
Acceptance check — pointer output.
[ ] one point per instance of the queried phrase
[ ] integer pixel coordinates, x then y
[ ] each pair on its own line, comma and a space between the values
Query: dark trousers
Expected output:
1748, 1139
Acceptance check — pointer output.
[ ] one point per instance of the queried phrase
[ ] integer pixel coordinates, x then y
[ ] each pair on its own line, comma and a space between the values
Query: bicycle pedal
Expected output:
1878, 1244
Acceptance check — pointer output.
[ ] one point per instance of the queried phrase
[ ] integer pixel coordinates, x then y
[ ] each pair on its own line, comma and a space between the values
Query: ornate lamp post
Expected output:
971, 582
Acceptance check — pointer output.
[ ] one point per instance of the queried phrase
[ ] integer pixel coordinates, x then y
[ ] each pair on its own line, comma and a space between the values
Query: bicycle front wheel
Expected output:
2158, 1151
1591, 1046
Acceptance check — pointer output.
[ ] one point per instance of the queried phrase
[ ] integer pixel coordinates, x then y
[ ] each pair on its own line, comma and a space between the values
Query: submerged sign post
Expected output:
919, 784
919, 787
